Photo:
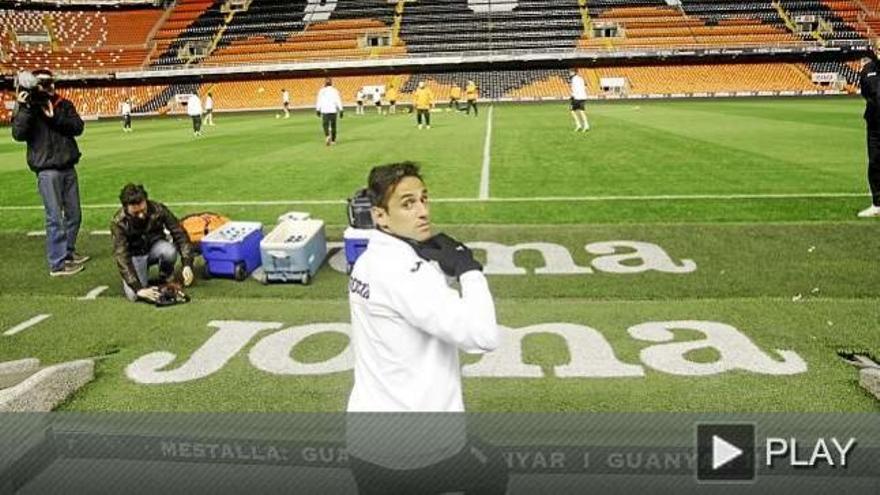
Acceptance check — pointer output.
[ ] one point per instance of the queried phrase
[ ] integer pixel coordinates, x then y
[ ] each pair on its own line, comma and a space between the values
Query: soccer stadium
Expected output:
696, 240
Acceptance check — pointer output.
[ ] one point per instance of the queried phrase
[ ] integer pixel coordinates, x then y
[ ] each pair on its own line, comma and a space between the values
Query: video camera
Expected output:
171, 294
37, 84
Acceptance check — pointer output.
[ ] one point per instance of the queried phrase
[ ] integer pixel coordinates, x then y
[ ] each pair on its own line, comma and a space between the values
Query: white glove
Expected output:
23, 97
187, 276
149, 294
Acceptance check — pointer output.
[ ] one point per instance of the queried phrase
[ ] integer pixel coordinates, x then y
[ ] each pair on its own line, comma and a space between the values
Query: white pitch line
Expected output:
42, 233
537, 199
487, 146
94, 293
25, 325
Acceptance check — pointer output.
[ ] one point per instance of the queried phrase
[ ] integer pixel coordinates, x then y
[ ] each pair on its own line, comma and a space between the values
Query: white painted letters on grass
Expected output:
618, 257
227, 341
591, 355
274, 353
736, 350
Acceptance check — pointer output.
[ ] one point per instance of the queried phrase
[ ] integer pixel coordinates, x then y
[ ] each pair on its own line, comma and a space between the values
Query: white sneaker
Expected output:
420, 127
871, 211
577, 129
66, 270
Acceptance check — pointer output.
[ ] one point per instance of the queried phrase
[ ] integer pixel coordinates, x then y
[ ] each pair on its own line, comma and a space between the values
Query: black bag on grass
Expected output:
359, 206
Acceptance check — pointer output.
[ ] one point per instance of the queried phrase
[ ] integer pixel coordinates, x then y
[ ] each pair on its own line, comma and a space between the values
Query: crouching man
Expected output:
140, 241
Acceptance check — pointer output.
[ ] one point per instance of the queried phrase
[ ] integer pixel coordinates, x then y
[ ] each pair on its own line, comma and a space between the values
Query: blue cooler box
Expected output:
294, 251
355, 242
233, 250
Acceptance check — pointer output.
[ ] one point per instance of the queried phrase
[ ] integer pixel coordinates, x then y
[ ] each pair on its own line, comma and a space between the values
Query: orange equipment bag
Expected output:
198, 225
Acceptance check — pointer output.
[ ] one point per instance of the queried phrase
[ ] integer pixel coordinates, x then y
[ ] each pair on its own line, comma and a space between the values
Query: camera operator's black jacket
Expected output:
50, 141
133, 240
869, 81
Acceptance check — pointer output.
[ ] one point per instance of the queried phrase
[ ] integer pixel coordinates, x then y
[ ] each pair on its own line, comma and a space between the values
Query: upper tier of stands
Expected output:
270, 31
79, 41
279, 30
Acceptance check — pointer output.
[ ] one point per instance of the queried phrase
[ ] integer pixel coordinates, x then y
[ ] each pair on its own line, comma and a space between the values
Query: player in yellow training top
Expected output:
470, 92
391, 96
454, 97
423, 99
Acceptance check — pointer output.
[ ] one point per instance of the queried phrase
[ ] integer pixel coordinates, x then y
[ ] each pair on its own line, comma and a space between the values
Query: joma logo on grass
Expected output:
620, 257
591, 354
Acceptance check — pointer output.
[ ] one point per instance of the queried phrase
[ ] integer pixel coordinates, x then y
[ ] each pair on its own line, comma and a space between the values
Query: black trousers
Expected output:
426, 114
126, 121
328, 122
874, 162
472, 104
477, 469
453, 103
197, 123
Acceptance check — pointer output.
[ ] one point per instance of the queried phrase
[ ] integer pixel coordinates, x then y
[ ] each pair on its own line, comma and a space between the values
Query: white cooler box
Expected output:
293, 251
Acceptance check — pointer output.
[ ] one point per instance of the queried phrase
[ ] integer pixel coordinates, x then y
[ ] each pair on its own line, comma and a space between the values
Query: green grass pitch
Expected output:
760, 194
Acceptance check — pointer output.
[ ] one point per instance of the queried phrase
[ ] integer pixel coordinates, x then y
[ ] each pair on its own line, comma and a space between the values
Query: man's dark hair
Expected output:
328, 82
384, 178
132, 194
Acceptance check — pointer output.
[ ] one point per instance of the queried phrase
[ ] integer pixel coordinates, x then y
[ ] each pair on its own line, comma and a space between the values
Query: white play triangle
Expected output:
723, 452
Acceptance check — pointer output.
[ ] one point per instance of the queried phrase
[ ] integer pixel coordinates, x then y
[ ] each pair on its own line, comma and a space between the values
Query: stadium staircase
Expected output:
870, 18
159, 102
193, 22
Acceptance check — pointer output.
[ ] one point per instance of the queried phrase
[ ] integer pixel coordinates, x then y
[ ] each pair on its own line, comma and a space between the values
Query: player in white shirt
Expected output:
408, 325
209, 110
328, 106
285, 103
377, 100
194, 110
359, 98
578, 99
126, 115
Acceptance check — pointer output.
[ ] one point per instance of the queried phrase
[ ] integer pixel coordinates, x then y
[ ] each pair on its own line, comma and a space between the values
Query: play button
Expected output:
725, 452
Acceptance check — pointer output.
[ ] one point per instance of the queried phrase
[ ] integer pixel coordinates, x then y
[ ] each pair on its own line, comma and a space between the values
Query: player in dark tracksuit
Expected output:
869, 80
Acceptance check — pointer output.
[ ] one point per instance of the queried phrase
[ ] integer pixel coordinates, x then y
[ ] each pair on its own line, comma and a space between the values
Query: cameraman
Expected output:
49, 124
139, 240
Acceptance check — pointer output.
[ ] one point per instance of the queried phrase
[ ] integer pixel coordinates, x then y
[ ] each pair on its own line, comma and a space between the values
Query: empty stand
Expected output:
78, 41
445, 26
654, 24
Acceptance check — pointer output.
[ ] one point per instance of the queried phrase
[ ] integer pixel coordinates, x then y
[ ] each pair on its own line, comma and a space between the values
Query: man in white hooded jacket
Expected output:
408, 326
327, 107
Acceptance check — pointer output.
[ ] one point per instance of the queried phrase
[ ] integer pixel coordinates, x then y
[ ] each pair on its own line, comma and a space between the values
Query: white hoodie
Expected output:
408, 325
328, 100
193, 106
